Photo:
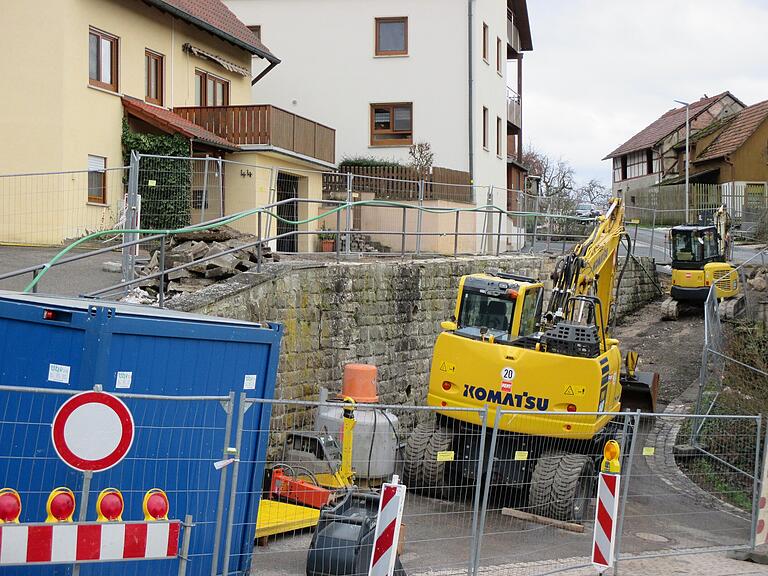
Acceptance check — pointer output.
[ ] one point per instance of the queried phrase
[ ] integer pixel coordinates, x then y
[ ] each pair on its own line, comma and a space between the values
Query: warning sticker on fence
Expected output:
649, 450
249, 382
58, 373
521, 455
446, 456
123, 379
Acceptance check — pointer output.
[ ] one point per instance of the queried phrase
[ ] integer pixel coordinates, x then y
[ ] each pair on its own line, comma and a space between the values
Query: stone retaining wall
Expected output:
383, 312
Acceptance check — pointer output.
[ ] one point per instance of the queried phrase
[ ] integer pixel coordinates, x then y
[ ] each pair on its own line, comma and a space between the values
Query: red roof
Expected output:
173, 123
216, 18
736, 133
663, 127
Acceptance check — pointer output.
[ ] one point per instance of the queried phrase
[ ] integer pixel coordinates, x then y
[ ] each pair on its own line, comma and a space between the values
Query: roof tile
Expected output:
214, 13
664, 126
167, 120
737, 132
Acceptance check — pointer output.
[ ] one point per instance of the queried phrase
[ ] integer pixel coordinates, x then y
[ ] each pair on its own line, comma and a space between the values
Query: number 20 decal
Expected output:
508, 373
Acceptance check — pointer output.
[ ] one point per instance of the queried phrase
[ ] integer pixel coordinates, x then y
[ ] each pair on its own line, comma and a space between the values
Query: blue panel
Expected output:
176, 442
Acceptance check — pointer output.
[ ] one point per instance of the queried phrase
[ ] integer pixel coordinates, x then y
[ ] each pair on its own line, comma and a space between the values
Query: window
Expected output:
482, 310
102, 60
256, 29
154, 77
530, 311
485, 127
649, 161
498, 55
392, 124
210, 90
97, 179
391, 36
485, 42
498, 136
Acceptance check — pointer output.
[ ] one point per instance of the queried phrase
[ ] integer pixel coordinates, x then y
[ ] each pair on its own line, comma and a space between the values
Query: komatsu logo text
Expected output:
523, 400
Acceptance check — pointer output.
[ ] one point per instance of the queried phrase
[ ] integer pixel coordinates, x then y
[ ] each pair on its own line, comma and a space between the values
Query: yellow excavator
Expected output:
699, 254
501, 349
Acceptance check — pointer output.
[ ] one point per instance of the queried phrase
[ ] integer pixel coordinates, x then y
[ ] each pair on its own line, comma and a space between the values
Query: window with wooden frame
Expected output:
485, 127
102, 60
97, 179
392, 124
154, 77
485, 42
498, 56
210, 90
392, 36
498, 136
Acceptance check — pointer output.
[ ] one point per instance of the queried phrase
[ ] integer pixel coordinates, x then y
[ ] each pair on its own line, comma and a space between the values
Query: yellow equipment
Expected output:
699, 254
501, 350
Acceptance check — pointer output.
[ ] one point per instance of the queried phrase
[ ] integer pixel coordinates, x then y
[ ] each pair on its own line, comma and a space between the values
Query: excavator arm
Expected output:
590, 270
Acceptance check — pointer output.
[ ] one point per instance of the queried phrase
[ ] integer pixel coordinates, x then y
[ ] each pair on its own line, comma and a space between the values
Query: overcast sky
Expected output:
601, 70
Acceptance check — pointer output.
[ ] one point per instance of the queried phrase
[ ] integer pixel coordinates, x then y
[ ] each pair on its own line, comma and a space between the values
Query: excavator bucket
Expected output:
639, 392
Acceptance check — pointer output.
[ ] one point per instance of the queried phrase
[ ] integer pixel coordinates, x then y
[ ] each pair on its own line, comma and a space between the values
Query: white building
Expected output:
388, 74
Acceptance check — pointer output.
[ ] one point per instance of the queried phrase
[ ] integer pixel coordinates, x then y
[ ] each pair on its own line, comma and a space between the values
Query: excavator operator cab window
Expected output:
480, 310
694, 245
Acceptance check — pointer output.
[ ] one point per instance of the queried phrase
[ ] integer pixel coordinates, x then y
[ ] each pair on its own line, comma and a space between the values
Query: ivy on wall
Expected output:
165, 184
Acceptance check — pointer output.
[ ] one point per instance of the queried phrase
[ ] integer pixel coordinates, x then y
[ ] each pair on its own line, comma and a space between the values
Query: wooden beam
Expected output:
528, 517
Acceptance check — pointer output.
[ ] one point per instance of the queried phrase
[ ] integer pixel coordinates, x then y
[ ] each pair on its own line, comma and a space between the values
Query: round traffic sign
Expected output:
92, 431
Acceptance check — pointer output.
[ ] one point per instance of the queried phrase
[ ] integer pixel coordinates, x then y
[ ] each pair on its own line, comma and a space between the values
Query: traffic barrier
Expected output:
387, 533
22, 544
607, 508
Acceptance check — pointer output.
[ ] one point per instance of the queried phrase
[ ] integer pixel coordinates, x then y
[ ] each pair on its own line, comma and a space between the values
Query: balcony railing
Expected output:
514, 108
265, 125
513, 36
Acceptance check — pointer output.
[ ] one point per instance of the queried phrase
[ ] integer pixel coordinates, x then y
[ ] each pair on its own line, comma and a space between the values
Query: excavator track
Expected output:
670, 309
732, 307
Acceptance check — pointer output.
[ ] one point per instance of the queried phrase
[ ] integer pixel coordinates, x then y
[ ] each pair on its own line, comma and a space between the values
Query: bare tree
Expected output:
421, 158
557, 176
594, 192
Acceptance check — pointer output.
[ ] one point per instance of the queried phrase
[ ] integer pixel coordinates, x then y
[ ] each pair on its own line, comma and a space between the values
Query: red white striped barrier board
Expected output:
87, 542
387, 528
605, 521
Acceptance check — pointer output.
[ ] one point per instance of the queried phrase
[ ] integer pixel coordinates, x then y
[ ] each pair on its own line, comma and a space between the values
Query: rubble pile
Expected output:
193, 246
758, 280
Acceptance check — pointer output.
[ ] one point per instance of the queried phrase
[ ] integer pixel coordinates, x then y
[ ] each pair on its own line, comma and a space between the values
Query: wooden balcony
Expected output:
265, 125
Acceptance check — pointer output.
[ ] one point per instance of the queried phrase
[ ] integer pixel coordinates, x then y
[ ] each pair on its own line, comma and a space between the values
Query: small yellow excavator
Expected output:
699, 254
502, 350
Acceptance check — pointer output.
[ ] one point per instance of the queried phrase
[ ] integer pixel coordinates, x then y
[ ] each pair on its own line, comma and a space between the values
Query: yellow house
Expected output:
78, 68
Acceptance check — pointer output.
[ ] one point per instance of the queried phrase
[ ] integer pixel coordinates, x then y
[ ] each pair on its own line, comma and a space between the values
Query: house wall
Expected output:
246, 192
53, 119
750, 161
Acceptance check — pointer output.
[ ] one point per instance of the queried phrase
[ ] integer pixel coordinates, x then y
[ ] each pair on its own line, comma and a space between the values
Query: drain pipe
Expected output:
470, 40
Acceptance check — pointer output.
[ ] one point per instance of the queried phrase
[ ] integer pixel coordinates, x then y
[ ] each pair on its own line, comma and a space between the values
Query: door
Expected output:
287, 189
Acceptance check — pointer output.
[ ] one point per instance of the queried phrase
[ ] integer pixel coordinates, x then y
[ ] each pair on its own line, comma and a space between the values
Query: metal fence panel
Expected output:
166, 453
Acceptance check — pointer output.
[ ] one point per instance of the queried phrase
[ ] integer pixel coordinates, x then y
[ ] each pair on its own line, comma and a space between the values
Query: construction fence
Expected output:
480, 497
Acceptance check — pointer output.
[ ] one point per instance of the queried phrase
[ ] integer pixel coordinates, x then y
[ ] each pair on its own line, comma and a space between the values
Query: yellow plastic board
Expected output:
280, 517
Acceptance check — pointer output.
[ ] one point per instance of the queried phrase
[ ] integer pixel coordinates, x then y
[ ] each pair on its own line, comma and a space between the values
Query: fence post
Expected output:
626, 477
486, 490
347, 239
221, 188
161, 279
243, 406
498, 232
82, 515
205, 190
549, 223
653, 231
756, 487
259, 237
419, 216
338, 235
184, 555
222, 485
478, 491
456, 236
131, 212
402, 238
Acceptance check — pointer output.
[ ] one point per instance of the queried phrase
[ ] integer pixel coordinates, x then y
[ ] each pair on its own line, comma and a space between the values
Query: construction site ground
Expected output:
438, 532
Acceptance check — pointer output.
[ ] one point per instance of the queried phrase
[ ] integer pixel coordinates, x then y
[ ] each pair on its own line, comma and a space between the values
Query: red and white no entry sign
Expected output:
92, 431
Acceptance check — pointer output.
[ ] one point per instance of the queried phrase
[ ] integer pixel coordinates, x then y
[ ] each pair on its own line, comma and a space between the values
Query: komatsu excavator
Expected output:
501, 349
699, 254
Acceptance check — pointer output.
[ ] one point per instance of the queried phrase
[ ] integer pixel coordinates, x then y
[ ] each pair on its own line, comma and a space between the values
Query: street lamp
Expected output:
687, 151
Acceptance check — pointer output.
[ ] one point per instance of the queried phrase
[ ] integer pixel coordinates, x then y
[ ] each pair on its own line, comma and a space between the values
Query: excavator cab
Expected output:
698, 262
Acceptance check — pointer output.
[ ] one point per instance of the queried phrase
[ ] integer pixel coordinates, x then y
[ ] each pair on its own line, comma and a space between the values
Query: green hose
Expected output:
246, 213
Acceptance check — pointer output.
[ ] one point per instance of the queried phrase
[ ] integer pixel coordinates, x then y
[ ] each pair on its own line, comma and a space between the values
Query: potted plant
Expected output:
327, 239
